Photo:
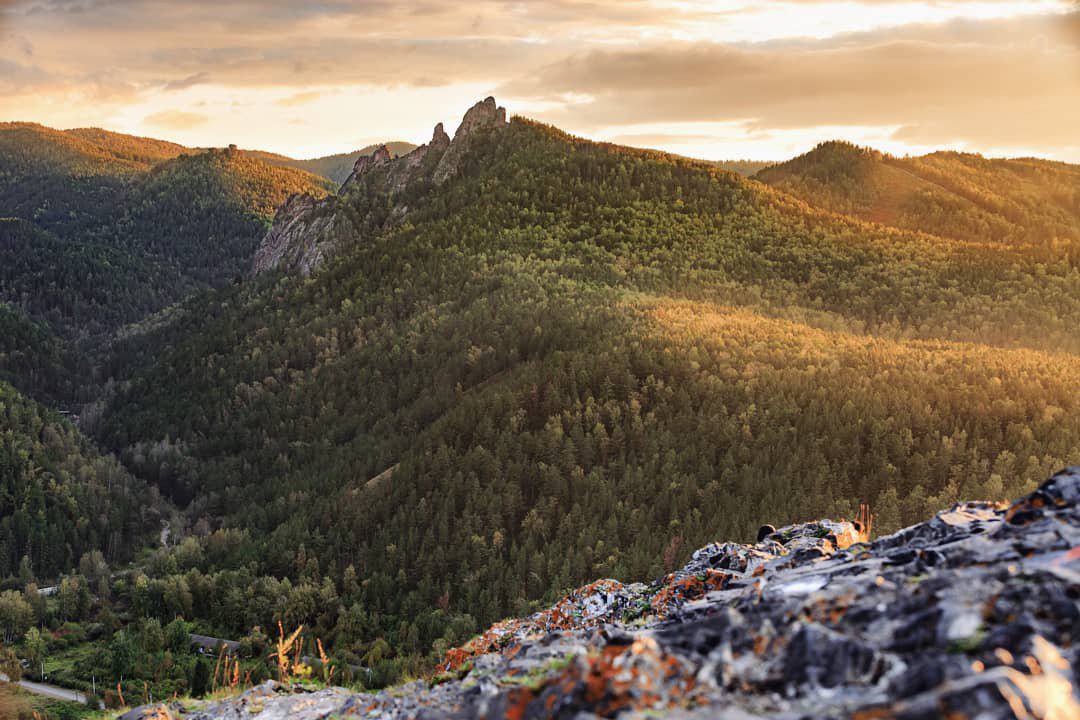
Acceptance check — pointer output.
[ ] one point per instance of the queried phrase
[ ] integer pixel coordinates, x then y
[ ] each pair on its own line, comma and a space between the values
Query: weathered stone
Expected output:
482, 118
365, 163
301, 237
155, 711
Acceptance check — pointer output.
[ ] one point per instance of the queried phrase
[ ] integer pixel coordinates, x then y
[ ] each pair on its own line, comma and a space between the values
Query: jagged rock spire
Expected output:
303, 235
439, 138
483, 114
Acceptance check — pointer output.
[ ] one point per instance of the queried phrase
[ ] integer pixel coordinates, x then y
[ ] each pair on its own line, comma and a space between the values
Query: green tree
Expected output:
34, 649
15, 615
200, 678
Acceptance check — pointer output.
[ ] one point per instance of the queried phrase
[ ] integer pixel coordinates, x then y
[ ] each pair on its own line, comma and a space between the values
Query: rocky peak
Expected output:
365, 163
306, 232
484, 114
439, 138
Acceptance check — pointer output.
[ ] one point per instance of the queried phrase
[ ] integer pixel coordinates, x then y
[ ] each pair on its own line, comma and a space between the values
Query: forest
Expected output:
572, 360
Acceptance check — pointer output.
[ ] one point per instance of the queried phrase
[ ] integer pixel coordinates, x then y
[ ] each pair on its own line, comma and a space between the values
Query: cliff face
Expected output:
974, 614
307, 232
300, 239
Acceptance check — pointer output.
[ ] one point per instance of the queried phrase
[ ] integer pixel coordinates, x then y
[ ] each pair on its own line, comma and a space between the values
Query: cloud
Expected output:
998, 83
176, 120
188, 82
300, 99
16, 77
988, 72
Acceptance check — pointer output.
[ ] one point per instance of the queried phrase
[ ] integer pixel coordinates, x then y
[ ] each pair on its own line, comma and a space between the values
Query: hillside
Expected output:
60, 499
962, 196
33, 357
99, 230
515, 361
941, 619
86, 151
205, 213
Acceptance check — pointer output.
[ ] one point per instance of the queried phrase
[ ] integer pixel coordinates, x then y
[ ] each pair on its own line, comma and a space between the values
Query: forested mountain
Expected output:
98, 230
495, 367
60, 499
523, 360
956, 195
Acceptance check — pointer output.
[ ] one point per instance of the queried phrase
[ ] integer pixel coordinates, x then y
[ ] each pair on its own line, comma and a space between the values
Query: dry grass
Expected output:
11, 705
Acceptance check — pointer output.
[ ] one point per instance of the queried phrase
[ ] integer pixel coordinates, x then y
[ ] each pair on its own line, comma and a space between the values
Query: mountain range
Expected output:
397, 403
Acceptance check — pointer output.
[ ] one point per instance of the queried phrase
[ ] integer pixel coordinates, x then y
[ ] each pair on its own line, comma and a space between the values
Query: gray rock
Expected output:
482, 119
304, 234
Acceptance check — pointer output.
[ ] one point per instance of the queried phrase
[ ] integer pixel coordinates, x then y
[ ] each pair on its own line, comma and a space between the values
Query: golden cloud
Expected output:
176, 120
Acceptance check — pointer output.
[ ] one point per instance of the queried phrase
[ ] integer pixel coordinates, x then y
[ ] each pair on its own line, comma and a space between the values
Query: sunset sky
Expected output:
713, 79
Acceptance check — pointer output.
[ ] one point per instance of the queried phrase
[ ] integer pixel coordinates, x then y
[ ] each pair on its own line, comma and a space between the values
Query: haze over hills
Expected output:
501, 365
335, 168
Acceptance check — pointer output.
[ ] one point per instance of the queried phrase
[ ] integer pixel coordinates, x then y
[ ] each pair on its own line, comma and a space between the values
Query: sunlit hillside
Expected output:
963, 196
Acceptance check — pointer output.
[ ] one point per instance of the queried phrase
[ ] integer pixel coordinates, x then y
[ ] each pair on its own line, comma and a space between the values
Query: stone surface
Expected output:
365, 163
973, 614
306, 232
301, 238
482, 118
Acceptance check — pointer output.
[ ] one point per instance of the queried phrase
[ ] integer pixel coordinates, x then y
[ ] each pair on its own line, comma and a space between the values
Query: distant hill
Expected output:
957, 195
333, 167
87, 151
746, 168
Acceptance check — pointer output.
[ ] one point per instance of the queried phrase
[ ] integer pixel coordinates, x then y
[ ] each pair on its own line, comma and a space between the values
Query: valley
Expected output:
397, 403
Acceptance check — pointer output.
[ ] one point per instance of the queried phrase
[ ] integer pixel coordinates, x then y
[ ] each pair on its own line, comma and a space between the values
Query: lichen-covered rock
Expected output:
158, 711
974, 614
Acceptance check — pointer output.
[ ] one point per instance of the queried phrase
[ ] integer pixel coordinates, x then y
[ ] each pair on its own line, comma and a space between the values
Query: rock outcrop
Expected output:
974, 614
305, 233
380, 157
483, 117
301, 238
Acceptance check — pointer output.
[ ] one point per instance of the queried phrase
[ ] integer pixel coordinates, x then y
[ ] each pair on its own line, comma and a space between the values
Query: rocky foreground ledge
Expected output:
973, 614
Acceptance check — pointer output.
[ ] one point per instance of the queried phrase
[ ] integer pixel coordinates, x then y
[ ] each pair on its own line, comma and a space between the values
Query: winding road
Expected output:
49, 691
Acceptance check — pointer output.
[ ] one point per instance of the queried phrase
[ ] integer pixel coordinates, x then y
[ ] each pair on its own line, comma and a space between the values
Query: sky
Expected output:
716, 79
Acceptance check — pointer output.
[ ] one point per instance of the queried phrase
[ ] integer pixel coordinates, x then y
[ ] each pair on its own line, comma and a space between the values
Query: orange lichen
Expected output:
828, 611
675, 594
567, 614
517, 703
639, 676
